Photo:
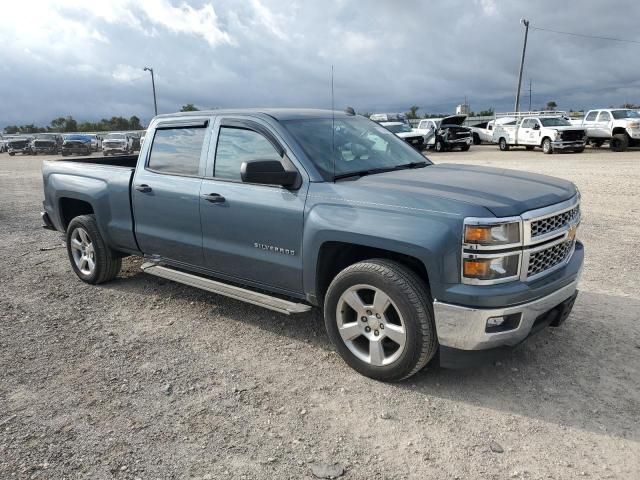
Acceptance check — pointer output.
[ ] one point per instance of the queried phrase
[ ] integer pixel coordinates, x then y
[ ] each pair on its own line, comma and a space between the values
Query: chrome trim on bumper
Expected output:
464, 327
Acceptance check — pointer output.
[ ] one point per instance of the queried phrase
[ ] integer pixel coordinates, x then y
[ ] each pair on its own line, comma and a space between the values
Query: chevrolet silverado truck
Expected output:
292, 209
549, 130
619, 126
76, 143
117, 144
19, 145
448, 133
46, 143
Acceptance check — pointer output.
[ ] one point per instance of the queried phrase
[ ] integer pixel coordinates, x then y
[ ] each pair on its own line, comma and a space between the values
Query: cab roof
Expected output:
279, 114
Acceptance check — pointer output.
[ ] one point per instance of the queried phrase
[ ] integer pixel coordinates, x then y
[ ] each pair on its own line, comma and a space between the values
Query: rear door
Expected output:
524, 132
602, 127
589, 124
166, 191
251, 232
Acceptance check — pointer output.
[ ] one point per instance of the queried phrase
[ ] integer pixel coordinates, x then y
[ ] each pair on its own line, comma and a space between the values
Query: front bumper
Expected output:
561, 145
465, 328
110, 150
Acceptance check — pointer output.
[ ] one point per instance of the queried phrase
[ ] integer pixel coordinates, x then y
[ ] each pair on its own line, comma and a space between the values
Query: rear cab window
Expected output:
177, 150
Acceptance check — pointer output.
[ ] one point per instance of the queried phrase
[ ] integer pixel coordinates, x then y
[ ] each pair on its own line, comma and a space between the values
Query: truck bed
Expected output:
128, 161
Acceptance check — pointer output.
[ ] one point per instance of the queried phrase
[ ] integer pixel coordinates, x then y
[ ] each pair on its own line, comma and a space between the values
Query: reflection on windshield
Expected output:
356, 143
555, 122
403, 127
618, 114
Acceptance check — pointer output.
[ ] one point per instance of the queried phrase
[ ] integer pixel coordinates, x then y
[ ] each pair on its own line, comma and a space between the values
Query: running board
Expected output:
249, 296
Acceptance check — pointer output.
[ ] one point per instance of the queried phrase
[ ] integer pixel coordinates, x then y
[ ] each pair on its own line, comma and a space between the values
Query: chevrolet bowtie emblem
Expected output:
571, 233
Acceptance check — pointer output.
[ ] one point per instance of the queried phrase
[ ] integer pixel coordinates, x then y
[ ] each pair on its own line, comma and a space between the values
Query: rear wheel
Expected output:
379, 315
619, 142
595, 142
502, 143
92, 261
476, 139
546, 146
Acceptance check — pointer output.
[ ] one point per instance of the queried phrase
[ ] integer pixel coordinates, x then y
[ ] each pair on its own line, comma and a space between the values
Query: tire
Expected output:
596, 143
529, 147
11, 154
476, 139
619, 142
503, 145
465, 148
578, 150
547, 148
439, 146
408, 313
84, 241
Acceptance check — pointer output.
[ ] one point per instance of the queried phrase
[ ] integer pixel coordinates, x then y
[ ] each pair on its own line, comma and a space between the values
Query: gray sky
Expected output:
85, 59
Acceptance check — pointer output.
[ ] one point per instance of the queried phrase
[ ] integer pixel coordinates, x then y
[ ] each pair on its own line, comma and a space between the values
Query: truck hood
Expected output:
453, 120
567, 127
503, 192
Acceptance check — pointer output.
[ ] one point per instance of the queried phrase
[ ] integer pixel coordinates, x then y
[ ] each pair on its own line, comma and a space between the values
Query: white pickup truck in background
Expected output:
619, 126
549, 130
483, 132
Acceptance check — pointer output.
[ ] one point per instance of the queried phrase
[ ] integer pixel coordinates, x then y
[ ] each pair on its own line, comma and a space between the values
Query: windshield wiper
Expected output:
373, 171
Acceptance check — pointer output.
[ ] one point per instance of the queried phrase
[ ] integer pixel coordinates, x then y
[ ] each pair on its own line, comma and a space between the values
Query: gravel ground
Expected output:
144, 378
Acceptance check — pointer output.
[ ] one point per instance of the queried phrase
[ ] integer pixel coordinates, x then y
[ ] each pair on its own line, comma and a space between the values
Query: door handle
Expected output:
144, 188
213, 197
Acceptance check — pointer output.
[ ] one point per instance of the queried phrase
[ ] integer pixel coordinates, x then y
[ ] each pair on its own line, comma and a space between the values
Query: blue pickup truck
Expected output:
292, 209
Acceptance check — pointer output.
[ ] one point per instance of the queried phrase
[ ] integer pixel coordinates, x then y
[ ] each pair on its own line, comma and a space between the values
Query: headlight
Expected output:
498, 234
503, 267
558, 135
634, 124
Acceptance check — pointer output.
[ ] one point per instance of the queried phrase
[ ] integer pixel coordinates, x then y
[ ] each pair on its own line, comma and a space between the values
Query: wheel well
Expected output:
71, 208
336, 256
543, 139
618, 130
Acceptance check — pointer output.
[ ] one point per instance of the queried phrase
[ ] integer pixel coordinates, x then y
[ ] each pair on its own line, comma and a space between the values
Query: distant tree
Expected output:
134, 123
551, 105
189, 107
630, 105
486, 113
413, 112
11, 129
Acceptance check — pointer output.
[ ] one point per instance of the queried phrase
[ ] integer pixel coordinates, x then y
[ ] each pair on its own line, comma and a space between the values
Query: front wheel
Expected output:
92, 261
476, 139
440, 146
379, 315
464, 148
502, 143
11, 154
619, 142
596, 143
546, 146
578, 150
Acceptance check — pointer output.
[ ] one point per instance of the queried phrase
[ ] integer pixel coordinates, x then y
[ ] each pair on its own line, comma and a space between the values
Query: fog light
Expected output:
503, 323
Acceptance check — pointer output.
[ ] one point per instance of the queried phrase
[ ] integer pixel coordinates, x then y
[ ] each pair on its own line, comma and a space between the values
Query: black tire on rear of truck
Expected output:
619, 142
379, 316
503, 145
476, 139
92, 261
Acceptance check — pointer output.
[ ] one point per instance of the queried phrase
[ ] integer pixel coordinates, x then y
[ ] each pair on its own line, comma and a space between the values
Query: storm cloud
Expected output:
86, 59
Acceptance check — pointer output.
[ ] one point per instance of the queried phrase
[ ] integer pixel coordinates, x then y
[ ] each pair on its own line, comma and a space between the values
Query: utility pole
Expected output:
529, 94
524, 49
153, 85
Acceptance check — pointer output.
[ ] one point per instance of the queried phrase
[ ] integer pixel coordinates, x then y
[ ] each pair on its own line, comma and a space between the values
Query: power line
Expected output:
584, 35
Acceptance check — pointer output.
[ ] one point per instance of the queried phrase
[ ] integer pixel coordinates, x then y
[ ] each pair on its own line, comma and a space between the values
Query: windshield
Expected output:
398, 127
76, 137
555, 122
618, 114
358, 145
115, 136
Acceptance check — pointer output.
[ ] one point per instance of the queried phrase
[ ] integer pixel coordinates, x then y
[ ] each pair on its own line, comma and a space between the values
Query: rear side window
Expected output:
604, 117
591, 117
238, 145
177, 150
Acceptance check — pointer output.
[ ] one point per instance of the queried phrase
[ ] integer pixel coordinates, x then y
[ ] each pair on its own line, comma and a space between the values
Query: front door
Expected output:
251, 232
166, 193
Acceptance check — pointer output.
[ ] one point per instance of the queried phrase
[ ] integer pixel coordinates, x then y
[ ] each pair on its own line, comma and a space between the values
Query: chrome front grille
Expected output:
554, 222
553, 256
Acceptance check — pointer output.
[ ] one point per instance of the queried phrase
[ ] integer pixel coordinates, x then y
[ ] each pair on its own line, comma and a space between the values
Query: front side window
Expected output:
177, 150
238, 145
604, 117
591, 117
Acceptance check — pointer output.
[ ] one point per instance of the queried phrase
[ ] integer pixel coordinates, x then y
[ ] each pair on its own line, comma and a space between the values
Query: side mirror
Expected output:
267, 172
536, 126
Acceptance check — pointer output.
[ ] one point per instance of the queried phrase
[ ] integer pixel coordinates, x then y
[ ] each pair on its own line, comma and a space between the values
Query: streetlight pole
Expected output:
524, 49
153, 85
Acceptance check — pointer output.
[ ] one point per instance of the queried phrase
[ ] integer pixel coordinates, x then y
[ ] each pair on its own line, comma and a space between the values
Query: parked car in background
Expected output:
405, 132
76, 143
46, 143
117, 144
96, 141
389, 117
619, 126
3, 144
483, 132
549, 130
19, 145
449, 132
135, 141
405, 259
